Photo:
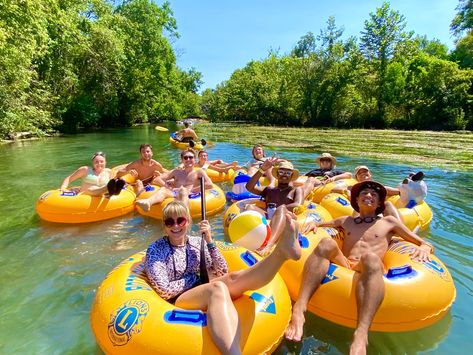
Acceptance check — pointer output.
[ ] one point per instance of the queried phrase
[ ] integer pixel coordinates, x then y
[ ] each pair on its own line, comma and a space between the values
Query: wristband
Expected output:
211, 245
261, 170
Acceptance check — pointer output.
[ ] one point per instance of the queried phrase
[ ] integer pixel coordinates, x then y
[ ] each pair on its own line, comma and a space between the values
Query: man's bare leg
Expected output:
155, 198
183, 195
369, 295
315, 269
139, 187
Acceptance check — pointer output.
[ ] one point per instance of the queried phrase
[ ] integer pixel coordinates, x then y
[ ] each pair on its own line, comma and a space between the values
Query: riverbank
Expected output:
446, 150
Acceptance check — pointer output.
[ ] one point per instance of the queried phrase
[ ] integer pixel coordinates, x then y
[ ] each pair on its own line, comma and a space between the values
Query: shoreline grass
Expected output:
446, 150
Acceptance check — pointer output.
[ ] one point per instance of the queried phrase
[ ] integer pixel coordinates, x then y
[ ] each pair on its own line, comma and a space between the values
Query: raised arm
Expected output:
79, 173
213, 259
251, 184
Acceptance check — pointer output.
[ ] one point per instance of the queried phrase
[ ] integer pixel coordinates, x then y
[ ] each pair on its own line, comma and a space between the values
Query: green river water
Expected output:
50, 272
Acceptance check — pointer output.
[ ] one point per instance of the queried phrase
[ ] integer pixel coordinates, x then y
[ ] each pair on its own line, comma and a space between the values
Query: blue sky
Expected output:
218, 37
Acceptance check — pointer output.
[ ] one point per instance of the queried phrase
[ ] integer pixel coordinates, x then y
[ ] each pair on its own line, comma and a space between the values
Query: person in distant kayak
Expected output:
187, 134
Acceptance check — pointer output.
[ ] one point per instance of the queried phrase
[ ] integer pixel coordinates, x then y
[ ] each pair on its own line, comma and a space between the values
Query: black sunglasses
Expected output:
188, 157
180, 221
98, 154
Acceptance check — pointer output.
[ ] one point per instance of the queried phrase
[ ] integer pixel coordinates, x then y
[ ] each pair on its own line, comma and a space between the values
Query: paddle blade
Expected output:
162, 129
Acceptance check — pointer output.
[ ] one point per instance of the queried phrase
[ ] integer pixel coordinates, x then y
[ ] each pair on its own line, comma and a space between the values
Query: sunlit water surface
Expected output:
50, 272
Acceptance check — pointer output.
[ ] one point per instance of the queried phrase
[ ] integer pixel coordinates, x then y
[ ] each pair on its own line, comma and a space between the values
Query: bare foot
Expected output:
359, 344
265, 250
295, 329
289, 242
144, 204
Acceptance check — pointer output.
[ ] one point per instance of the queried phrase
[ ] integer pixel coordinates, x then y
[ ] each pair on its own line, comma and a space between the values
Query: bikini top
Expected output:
97, 180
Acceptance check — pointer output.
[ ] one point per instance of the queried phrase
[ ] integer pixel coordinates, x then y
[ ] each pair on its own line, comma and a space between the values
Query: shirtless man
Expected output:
367, 238
284, 195
184, 182
187, 134
363, 173
144, 170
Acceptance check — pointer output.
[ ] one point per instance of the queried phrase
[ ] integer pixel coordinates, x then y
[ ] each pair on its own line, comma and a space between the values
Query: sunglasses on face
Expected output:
187, 157
180, 221
285, 172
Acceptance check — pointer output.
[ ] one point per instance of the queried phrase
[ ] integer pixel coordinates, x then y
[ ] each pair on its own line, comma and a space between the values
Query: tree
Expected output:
463, 53
382, 33
463, 21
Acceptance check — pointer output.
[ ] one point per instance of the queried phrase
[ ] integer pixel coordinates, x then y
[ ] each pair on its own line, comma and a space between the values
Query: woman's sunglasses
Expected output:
180, 221
188, 157
98, 154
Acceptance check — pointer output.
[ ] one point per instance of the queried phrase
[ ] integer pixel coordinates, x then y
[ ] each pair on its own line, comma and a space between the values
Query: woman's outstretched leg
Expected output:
222, 317
264, 271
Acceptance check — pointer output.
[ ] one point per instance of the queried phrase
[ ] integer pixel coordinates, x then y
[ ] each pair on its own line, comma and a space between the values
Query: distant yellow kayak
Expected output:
162, 129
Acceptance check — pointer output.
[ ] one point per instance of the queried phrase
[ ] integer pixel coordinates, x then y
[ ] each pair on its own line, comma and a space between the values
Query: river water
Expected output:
50, 271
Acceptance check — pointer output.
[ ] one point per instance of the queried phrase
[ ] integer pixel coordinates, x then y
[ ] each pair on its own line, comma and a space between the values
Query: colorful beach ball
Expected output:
250, 230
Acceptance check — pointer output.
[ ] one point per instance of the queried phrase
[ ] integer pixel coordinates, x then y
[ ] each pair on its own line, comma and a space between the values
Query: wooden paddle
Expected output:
162, 129
204, 275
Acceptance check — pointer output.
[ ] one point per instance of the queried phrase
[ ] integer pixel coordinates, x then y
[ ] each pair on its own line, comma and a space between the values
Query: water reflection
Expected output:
50, 271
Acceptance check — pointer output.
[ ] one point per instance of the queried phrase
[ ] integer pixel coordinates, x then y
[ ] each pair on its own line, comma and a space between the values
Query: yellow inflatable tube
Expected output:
184, 145
419, 215
318, 193
71, 207
417, 294
217, 176
337, 204
214, 203
128, 316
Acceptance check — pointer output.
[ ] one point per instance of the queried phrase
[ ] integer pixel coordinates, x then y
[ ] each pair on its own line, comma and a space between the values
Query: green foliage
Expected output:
463, 21
463, 53
84, 63
391, 78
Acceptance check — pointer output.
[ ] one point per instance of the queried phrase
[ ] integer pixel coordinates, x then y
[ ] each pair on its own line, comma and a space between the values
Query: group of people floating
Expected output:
172, 262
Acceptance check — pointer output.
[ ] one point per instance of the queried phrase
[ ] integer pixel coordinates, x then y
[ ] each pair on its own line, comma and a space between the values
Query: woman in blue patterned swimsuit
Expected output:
172, 266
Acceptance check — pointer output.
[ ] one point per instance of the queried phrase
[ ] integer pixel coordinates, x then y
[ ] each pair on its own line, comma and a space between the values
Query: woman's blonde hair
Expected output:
177, 208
